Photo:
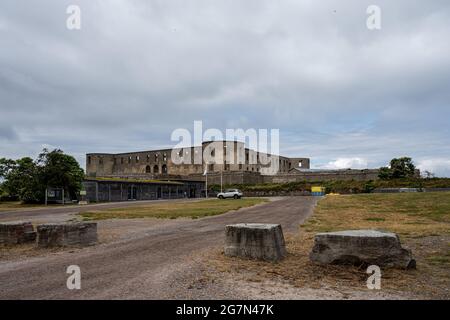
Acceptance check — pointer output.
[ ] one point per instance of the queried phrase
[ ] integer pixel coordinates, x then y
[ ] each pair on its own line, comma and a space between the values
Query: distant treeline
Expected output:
348, 186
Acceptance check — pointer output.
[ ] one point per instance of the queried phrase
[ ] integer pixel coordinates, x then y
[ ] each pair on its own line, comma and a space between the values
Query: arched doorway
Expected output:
148, 169
156, 169
164, 169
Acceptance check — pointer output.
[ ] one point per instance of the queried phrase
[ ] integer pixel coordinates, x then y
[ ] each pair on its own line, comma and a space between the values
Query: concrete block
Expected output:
67, 234
17, 232
361, 247
255, 240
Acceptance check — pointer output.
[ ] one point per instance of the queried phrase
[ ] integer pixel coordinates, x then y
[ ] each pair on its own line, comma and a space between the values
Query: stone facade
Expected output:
292, 176
159, 163
323, 175
245, 166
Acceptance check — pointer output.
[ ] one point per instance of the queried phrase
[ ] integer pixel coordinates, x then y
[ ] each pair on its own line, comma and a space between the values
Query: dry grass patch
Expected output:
420, 219
173, 210
408, 214
429, 281
17, 205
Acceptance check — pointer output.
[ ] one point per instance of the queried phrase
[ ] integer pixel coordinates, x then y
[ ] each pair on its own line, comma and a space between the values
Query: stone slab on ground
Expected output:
361, 247
255, 240
67, 234
16, 232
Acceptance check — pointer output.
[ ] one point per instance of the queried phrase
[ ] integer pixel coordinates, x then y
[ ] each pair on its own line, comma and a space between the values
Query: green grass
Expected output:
173, 210
409, 214
421, 220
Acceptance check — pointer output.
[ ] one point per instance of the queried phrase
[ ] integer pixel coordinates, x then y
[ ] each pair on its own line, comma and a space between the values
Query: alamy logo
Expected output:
212, 146
374, 281
73, 22
74, 280
373, 21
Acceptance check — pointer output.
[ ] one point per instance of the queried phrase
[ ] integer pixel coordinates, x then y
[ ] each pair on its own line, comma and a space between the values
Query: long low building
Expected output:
121, 189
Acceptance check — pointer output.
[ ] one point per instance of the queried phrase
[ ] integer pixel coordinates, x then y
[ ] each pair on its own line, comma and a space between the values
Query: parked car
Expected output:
230, 193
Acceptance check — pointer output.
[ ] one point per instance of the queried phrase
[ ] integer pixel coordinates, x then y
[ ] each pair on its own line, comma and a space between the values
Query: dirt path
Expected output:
62, 213
146, 266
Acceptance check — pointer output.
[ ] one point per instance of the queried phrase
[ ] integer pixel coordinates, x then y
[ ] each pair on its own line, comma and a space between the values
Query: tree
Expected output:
402, 168
60, 170
398, 168
5, 166
27, 180
384, 173
22, 181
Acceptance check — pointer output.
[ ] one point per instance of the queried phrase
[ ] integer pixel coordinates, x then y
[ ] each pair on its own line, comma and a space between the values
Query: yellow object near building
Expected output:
317, 191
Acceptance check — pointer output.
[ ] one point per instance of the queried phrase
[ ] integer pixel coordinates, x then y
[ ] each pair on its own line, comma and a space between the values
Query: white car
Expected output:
230, 193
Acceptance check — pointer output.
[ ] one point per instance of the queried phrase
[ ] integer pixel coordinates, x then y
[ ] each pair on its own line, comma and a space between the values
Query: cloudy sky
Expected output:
342, 94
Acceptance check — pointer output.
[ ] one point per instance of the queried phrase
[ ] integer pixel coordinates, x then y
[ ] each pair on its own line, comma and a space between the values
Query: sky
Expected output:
136, 70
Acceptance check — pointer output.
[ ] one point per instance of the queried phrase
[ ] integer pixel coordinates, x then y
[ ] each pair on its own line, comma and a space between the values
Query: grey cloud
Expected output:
139, 69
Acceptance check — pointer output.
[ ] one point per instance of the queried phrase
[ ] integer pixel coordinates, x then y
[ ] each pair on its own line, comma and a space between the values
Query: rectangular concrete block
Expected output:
255, 241
17, 232
67, 234
361, 247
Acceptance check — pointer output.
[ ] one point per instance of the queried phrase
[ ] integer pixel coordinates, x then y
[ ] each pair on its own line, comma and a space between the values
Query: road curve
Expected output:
137, 268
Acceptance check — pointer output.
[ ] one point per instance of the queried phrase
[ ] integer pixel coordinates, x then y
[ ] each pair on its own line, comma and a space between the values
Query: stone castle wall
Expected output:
328, 175
258, 178
159, 162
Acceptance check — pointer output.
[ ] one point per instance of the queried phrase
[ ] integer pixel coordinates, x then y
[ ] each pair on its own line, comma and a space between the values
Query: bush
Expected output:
369, 186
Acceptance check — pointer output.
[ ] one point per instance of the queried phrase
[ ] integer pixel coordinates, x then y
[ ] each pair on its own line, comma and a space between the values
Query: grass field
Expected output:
13, 205
344, 186
408, 214
173, 210
17, 205
422, 221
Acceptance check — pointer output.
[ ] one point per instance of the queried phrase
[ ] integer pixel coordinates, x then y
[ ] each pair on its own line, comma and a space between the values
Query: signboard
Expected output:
317, 189
82, 192
51, 193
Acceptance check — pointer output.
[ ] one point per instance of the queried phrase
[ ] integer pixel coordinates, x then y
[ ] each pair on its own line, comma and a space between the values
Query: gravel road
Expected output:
138, 267
61, 213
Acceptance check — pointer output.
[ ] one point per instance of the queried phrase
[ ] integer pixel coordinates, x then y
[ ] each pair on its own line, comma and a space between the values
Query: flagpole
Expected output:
206, 181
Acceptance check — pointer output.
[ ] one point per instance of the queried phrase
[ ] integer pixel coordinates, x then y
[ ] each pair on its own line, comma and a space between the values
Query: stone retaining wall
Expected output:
67, 234
17, 232
275, 193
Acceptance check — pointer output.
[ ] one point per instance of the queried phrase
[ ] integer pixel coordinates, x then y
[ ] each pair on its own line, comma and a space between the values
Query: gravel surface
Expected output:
140, 259
63, 213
